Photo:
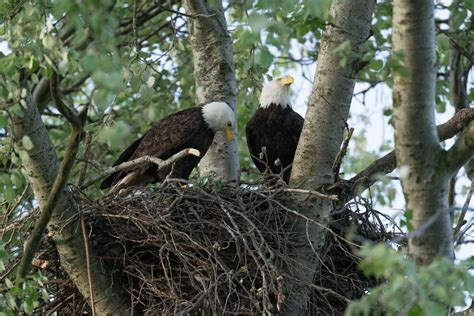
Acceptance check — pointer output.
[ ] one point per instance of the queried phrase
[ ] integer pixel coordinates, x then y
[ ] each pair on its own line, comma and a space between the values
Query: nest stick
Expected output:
142, 160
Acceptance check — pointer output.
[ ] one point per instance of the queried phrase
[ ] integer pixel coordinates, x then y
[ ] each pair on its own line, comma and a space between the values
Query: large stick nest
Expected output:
206, 250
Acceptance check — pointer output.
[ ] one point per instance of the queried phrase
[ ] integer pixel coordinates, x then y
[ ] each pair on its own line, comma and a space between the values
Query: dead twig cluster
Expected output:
198, 250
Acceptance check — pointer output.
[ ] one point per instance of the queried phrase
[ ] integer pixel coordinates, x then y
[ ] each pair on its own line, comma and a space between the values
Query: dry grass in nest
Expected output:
198, 250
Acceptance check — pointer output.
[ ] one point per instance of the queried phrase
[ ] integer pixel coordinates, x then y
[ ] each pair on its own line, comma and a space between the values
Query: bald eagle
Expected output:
191, 128
276, 127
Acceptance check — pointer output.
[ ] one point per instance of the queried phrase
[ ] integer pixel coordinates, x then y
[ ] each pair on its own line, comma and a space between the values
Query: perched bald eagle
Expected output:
276, 127
194, 127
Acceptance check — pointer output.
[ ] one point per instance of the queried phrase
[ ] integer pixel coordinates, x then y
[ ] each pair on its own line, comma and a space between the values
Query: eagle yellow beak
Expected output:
286, 81
229, 134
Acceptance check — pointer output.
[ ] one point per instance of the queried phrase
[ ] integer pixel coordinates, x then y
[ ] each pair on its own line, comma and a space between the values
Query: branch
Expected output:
388, 163
464, 209
456, 45
33, 242
340, 155
331, 197
142, 160
77, 85
145, 16
41, 94
77, 122
461, 151
68, 113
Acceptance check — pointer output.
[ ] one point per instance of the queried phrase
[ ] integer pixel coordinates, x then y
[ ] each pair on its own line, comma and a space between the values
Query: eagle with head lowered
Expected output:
276, 127
191, 128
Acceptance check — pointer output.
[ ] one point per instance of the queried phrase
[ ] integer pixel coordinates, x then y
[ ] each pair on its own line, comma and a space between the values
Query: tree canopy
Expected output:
107, 70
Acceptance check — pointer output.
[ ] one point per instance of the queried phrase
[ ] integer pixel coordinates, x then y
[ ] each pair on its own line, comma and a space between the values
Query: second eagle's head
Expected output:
276, 92
220, 117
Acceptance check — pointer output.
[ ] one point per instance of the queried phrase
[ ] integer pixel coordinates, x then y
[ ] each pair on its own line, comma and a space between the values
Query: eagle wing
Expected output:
294, 125
164, 139
124, 156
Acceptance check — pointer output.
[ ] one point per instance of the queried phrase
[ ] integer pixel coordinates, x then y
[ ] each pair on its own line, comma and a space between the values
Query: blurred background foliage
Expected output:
131, 62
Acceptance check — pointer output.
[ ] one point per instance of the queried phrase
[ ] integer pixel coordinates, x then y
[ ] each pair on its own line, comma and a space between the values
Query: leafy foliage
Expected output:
20, 298
410, 289
130, 62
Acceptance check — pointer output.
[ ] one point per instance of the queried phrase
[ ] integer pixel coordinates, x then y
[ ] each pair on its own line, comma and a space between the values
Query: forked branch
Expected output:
142, 160
388, 163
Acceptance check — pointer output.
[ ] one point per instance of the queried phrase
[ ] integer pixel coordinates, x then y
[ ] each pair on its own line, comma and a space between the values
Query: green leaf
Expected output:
114, 135
49, 42
91, 62
388, 111
32, 64
8, 282
135, 83
29, 305
26, 142
318, 9
108, 80
103, 98
258, 21
343, 51
9, 194
3, 120
146, 93
150, 82
264, 58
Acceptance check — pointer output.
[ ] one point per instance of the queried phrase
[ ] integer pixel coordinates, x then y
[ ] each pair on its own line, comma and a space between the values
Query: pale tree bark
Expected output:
215, 78
425, 168
41, 165
321, 138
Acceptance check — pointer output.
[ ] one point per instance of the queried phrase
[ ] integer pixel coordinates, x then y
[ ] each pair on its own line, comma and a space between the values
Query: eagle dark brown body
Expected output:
184, 129
277, 129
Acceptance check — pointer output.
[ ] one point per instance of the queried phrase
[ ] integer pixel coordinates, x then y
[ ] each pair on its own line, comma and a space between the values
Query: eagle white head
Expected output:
276, 92
220, 117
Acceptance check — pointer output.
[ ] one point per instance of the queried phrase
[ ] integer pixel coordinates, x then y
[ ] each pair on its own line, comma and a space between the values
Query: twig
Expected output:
87, 146
88, 263
76, 86
340, 155
461, 220
62, 108
139, 161
456, 45
331, 197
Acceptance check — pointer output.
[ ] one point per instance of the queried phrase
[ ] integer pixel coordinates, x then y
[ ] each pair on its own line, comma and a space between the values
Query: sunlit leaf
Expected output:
26, 142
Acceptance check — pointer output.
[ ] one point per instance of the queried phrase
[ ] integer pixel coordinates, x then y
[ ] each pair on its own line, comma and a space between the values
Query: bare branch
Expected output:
340, 155
331, 197
461, 151
388, 163
468, 54
62, 108
140, 19
41, 94
464, 209
47, 211
77, 85
139, 161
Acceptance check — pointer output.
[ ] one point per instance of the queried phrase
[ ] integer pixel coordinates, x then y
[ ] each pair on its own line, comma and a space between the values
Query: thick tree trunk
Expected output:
424, 179
41, 164
215, 78
321, 138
